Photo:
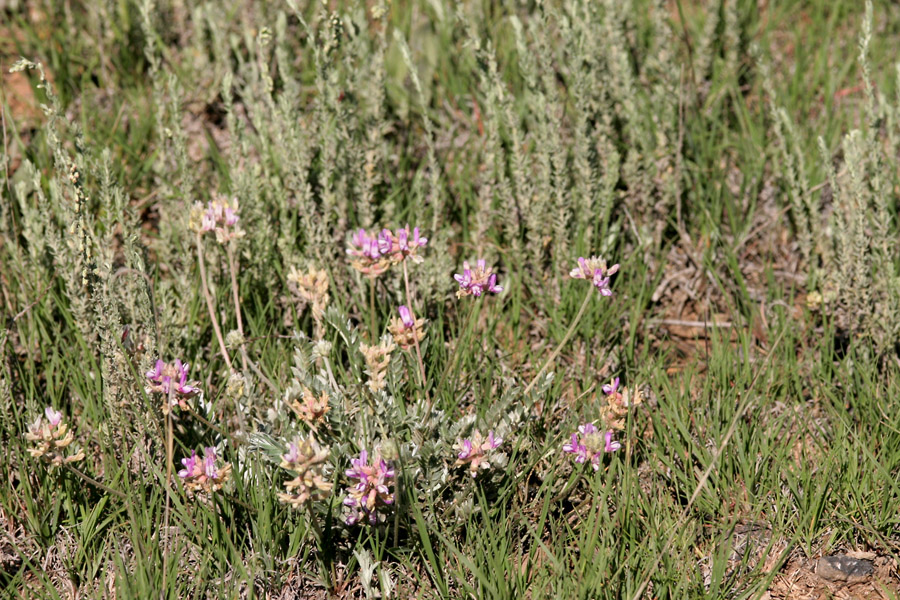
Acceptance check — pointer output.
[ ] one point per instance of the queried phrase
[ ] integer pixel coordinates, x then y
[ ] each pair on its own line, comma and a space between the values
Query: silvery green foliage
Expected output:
853, 259
374, 587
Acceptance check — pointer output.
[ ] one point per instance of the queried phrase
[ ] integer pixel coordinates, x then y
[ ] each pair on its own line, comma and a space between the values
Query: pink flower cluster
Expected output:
171, 381
220, 217
477, 281
374, 253
475, 453
591, 446
371, 492
203, 473
594, 269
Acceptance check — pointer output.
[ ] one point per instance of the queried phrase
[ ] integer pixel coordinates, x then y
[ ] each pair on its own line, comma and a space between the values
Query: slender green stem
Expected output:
565, 339
209, 302
259, 373
94, 482
398, 498
206, 422
454, 363
169, 459
372, 331
416, 337
232, 267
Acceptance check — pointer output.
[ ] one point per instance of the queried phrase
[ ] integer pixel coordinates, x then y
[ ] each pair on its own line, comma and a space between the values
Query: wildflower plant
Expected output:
527, 133
219, 216
371, 496
365, 255
477, 281
594, 269
476, 453
49, 436
203, 474
618, 403
170, 381
402, 244
311, 408
589, 445
372, 254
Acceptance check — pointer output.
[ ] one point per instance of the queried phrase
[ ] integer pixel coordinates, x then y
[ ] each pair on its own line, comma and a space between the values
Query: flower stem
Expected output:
209, 302
453, 365
232, 267
565, 339
372, 331
415, 336
169, 459
206, 422
94, 482
398, 496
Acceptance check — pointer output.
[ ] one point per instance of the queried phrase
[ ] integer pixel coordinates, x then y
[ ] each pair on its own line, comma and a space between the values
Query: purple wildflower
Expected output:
594, 269
611, 445
475, 453
591, 445
293, 454
401, 245
203, 474
50, 438
190, 466
406, 317
477, 281
407, 331
209, 463
171, 380
219, 216
371, 492
367, 257
611, 388
53, 416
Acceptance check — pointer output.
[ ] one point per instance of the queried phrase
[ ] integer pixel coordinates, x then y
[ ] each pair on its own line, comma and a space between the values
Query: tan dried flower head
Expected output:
407, 330
306, 459
50, 437
377, 360
311, 287
310, 408
618, 404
